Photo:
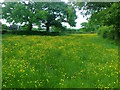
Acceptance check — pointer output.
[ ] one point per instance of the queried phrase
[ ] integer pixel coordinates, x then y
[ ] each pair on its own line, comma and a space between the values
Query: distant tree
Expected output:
88, 26
84, 25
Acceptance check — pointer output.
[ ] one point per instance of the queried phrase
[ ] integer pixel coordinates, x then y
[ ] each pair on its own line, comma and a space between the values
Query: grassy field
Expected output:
74, 61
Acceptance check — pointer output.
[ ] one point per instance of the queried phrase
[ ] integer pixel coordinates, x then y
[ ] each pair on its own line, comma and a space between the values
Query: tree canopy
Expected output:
46, 13
103, 14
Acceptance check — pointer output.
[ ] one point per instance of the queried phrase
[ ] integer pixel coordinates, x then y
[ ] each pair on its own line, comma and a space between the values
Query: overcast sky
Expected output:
79, 19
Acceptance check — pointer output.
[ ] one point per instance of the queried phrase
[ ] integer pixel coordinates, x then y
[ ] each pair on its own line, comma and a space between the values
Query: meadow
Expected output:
72, 61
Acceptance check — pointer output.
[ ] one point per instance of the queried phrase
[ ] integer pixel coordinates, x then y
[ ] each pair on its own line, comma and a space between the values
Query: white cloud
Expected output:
4, 22
66, 24
79, 20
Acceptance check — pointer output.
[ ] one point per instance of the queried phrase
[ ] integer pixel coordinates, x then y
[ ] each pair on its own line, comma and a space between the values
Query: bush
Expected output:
107, 32
4, 27
24, 28
57, 29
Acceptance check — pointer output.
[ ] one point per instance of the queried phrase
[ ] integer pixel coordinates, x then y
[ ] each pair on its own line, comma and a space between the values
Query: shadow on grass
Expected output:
31, 33
43, 33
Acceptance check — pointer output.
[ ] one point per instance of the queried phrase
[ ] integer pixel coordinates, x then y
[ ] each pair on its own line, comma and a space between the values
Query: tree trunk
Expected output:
30, 27
47, 28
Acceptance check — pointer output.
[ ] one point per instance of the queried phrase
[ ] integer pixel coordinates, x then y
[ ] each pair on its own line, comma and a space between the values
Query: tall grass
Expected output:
75, 61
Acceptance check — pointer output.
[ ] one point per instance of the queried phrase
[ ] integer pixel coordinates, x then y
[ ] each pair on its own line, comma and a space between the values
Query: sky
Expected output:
78, 21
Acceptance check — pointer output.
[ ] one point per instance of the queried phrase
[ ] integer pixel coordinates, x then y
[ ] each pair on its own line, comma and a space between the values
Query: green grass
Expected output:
75, 61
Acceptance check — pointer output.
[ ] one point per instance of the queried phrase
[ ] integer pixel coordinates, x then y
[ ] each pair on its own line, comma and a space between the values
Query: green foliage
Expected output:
58, 29
47, 13
18, 12
84, 24
71, 16
107, 32
4, 27
54, 13
88, 27
103, 14
72, 61
24, 27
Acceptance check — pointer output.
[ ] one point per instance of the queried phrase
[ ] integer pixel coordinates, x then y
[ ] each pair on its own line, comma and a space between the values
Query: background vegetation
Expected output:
53, 56
105, 16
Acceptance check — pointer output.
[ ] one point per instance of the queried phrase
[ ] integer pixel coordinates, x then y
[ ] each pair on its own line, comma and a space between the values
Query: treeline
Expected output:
104, 19
104, 16
41, 14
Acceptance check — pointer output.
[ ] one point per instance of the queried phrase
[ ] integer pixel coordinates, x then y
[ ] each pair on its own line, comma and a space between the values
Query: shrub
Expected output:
57, 29
107, 32
4, 27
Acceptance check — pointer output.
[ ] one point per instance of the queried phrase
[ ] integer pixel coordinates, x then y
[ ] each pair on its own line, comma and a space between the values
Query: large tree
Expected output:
19, 12
54, 13
47, 13
103, 13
